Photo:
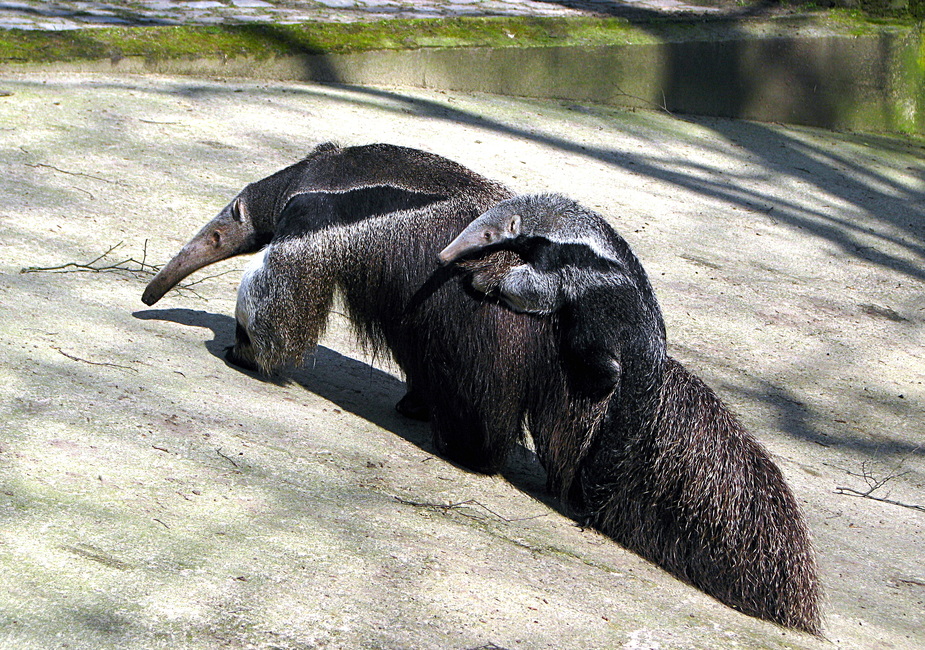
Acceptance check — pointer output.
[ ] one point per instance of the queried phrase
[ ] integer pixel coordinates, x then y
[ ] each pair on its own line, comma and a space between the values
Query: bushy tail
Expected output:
699, 496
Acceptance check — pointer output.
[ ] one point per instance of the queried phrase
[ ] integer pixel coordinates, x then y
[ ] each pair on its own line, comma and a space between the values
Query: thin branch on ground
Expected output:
866, 495
462, 507
70, 173
92, 363
219, 452
873, 482
141, 267
876, 482
130, 265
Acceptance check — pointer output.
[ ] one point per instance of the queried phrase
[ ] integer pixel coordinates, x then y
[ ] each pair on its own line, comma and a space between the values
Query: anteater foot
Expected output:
241, 354
235, 357
413, 406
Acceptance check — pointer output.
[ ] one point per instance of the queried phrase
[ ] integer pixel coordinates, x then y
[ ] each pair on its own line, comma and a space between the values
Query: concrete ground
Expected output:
153, 497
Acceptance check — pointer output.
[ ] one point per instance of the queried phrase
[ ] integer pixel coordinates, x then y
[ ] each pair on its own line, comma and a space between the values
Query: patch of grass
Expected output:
861, 23
261, 41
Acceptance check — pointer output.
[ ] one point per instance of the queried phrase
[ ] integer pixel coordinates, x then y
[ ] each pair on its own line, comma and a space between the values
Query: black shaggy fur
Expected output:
653, 459
656, 462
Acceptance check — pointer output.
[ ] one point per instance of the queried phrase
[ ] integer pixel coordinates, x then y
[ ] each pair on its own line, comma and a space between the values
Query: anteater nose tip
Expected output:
151, 295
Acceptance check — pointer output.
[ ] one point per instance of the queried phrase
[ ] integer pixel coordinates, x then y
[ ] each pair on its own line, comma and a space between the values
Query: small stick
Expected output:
446, 507
219, 452
867, 495
64, 171
92, 363
874, 483
143, 268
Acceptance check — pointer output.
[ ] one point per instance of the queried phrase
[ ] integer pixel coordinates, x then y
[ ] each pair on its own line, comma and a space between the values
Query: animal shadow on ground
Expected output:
356, 387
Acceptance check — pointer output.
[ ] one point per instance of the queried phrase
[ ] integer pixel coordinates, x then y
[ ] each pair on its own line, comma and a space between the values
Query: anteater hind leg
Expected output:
414, 404
476, 434
460, 435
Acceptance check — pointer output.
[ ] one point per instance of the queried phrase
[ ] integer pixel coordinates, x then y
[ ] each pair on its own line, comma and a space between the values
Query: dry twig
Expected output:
219, 452
129, 265
867, 495
461, 506
652, 105
92, 363
70, 173
875, 482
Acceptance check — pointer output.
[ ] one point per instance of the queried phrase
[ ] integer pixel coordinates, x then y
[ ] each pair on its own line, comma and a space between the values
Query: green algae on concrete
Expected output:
909, 75
263, 40
312, 38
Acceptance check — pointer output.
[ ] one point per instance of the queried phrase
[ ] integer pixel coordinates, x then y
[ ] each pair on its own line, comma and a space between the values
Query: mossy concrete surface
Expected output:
832, 69
153, 497
269, 40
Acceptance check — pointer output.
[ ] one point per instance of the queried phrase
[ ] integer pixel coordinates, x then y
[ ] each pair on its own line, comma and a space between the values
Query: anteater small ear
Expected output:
513, 226
237, 210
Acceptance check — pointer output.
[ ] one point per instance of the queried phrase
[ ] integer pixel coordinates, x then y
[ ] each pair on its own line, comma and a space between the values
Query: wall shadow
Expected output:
898, 208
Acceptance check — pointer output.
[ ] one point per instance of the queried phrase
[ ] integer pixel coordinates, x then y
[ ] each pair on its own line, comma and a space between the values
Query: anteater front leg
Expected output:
241, 354
284, 300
